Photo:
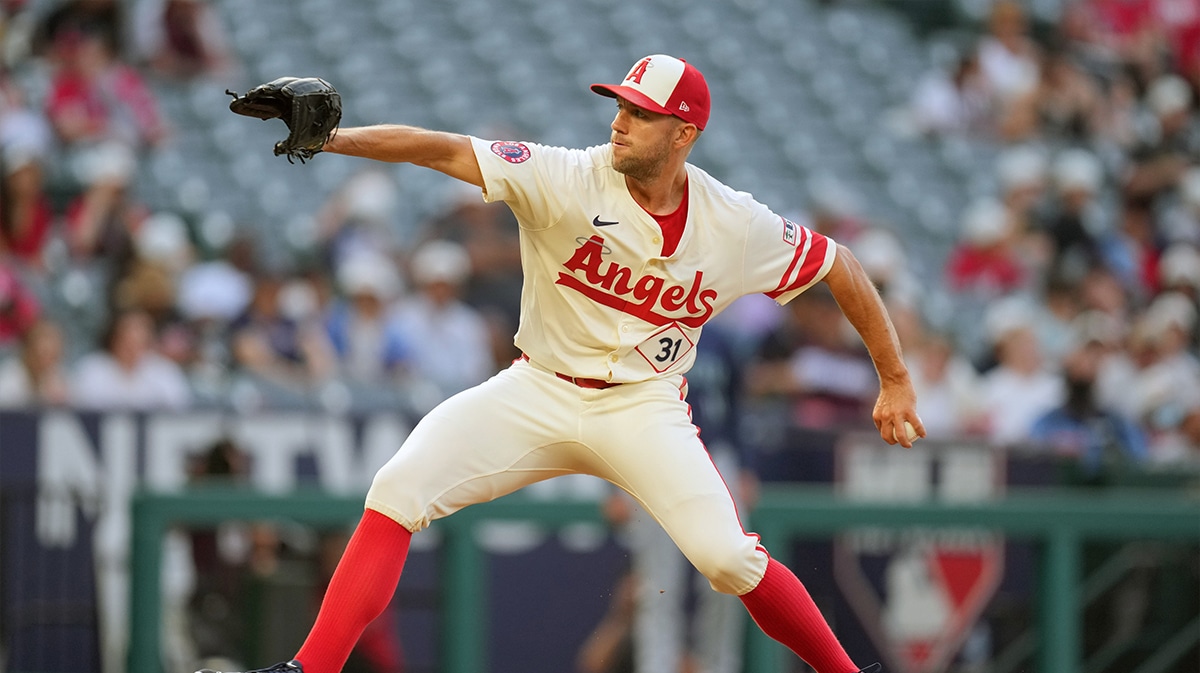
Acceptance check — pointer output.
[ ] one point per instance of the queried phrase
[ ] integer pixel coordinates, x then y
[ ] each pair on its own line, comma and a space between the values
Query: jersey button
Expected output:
624, 328
613, 357
657, 239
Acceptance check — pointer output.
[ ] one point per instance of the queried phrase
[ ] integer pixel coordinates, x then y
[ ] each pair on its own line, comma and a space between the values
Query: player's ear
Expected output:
686, 134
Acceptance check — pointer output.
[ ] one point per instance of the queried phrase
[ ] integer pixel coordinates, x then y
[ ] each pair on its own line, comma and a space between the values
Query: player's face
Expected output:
641, 140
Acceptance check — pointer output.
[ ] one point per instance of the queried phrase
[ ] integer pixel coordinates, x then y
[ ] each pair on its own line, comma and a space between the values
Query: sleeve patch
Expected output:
789, 231
512, 152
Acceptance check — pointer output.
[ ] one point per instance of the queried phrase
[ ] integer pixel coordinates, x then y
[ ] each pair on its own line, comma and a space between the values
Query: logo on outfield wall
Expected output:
918, 592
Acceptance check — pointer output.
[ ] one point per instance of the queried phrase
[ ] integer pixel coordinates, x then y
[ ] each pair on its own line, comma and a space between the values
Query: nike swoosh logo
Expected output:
596, 221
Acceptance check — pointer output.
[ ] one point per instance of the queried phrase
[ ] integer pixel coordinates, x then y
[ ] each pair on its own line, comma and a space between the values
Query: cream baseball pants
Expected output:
526, 424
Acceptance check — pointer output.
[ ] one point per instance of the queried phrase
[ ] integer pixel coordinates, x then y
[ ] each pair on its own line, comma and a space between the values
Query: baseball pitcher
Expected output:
627, 252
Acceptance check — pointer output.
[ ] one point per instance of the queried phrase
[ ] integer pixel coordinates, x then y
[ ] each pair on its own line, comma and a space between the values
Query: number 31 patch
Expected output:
665, 348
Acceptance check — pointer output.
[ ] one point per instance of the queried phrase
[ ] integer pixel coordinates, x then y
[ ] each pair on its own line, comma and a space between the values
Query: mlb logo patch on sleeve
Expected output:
512, 152
790, 230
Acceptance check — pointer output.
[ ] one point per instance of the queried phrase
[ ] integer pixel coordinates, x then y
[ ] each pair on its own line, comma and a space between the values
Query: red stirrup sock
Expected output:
782, 608
362, 586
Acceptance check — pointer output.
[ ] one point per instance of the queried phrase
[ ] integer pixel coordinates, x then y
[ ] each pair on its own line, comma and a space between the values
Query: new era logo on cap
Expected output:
666, 85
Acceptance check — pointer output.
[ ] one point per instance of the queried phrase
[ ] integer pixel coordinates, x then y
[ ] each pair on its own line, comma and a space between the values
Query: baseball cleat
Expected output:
292, 666
873, 668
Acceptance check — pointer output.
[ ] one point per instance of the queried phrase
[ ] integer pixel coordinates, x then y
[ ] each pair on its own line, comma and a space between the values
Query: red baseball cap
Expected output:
666, 85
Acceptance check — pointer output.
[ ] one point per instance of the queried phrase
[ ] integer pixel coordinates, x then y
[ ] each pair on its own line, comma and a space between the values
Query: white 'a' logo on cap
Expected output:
656, 76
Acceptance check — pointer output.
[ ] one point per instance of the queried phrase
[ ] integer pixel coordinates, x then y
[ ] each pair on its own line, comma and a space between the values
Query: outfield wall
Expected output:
954, 540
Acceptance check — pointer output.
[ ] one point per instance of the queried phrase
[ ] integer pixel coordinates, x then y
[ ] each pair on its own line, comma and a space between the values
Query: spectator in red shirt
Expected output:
1131, 30
983, 262
1187, 51
104, 114
19, 309
93, 97
25, 144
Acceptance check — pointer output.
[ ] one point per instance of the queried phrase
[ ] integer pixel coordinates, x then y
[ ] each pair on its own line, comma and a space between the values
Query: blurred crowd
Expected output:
1076, 278
1074, 281
111, 304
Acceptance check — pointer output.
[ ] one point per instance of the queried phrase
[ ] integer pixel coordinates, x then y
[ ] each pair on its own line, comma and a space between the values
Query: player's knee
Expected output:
384, 479
733, 570
387, 497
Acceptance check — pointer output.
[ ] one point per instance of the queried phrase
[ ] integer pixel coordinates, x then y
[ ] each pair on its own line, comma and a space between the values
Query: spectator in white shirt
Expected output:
954, 102
34, 376
1167, 386
1020, 388
1008, 55
948, 388
367, 344
449, 342
127, 373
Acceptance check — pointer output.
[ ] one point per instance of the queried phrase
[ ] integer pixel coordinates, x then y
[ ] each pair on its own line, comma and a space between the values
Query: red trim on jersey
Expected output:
814, 259
672, 224
800, 249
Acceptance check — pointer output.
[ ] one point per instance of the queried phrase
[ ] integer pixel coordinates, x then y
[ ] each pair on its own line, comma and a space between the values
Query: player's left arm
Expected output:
448, 153
864, 308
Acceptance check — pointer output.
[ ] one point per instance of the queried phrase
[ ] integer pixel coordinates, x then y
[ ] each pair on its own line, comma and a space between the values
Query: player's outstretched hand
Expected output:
310, 106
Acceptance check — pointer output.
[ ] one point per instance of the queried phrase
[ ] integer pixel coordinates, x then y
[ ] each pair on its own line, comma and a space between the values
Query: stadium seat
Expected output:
823, 78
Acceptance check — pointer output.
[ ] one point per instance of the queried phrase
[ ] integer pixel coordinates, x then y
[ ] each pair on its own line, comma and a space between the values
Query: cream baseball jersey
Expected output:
599, 299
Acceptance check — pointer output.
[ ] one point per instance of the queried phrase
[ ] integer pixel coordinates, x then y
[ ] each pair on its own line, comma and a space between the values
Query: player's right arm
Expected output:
448, 153
864, 308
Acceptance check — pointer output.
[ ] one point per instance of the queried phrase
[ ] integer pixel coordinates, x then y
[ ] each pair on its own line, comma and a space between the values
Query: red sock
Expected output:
782, 608
362, 586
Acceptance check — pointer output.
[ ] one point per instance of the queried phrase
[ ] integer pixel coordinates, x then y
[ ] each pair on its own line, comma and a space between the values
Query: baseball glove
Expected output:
311, 108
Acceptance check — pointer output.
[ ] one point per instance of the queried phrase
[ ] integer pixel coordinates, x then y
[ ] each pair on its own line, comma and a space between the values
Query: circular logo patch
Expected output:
512, 152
